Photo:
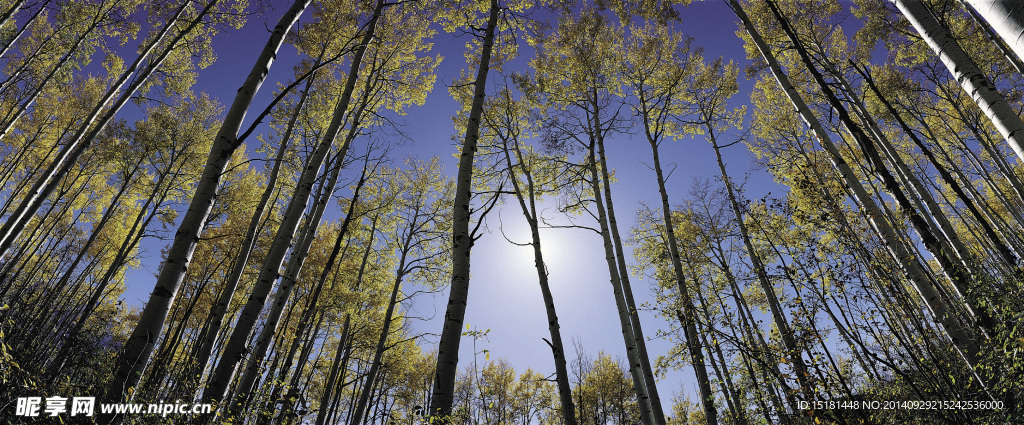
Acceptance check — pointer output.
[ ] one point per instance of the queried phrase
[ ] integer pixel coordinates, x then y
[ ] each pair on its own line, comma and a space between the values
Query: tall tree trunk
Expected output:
139, 346
9, 13
378, 352
332, 377
967, 72
1004, 251
19, 110
443, 393
957, 274
524, 195
3, 21
1008, 54
644, 361
625, 323
689, 312
270, 271
793, 351
236, 347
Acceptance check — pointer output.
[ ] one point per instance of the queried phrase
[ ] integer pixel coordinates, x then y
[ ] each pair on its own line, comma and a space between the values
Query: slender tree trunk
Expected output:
1003, 251
270, 271
650, 384
689, 312
530, 212
793, 351
957, 274
9, 13
139, 346
443, 392
226, 366
3, 21
625, 323
729, 390
15, 114
344, 345
378, 353
332, 378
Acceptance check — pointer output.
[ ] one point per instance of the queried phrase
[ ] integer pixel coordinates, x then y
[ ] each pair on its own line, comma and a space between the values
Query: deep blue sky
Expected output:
504, 295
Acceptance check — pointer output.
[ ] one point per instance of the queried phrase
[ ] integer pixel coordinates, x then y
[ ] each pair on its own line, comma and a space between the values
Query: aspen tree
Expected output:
384, 71
6, 46
579, 70
1007, 19
422, 194
958, 335
101, 114
216, 316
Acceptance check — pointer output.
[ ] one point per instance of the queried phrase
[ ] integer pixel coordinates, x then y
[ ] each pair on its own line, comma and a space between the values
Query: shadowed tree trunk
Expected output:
526, 195
443, 393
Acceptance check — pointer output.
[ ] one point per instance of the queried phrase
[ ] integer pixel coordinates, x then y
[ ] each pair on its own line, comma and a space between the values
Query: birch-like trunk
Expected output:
378, 352
958, 275
9, 13
283, 296
625, 323
443, 393
688, 316
10, 42
139, 346
1006, 17
643, 360
966, 72
327, 270
524, 195
794, 353
1002, 249
341, 355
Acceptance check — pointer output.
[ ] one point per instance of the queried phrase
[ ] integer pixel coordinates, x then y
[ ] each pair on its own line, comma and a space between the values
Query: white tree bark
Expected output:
1006, 17
967, 73
245, 250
